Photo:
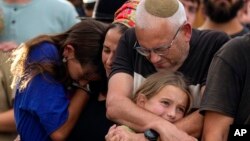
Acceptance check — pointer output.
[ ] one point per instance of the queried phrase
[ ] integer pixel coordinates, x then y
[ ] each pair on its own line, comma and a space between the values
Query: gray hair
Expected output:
144, 19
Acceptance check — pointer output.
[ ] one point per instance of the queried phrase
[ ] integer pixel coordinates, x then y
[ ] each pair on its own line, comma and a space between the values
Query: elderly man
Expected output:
161, 40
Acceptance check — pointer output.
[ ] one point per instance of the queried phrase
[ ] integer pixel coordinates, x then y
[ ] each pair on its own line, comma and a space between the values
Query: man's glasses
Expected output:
160, 50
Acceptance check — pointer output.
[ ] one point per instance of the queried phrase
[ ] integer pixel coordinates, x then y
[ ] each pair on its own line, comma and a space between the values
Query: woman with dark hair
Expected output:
51, 76
93, 124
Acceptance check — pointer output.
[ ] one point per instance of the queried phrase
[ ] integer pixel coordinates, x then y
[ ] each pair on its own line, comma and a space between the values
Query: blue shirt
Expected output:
25, 21
42, 107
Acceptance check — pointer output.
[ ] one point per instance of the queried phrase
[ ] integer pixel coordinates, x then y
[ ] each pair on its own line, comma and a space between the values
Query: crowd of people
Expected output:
137, 70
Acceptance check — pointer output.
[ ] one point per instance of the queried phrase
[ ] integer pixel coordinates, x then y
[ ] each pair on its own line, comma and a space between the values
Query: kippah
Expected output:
161, 8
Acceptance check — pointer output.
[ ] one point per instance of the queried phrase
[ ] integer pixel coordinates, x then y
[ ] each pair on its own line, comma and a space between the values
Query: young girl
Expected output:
164, 94
44, 69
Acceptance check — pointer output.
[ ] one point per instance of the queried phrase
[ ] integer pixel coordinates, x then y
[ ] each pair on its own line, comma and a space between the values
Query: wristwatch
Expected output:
151, 135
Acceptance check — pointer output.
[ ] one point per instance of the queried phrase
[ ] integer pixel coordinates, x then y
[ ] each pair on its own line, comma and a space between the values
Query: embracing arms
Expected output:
121, 109
77, 102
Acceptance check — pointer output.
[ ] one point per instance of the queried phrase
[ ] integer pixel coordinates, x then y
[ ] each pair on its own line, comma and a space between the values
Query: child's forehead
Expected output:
172, 90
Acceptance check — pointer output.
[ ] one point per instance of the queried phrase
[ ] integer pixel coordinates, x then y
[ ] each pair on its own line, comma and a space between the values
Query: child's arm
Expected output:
77, 102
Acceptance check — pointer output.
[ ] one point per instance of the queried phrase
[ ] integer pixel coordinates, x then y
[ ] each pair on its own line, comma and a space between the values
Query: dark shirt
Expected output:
93, 124
228, 90
203, 46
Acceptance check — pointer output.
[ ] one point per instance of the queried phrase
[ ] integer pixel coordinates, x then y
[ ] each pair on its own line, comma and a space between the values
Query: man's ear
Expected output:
187, 29
69, 51
141, 100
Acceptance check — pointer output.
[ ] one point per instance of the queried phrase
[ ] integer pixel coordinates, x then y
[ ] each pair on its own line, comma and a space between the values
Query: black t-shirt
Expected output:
93, 124
203, 46
228, 90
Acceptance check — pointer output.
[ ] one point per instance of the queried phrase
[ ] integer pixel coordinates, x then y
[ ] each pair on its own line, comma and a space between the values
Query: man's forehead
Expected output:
153, 34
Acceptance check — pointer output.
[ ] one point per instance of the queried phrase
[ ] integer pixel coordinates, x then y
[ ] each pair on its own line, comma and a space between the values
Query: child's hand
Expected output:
121, 133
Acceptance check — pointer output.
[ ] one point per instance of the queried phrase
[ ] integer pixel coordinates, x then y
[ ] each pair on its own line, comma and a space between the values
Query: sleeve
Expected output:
222, 93
216, 40
123, 61
46, 100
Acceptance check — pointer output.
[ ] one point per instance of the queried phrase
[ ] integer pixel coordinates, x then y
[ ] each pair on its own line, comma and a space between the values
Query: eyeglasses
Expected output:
160, 50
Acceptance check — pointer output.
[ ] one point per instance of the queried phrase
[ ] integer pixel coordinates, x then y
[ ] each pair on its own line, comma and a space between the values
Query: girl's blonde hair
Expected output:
155, 82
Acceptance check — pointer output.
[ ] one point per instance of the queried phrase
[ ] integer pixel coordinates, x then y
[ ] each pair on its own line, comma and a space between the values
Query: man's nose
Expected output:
154, 58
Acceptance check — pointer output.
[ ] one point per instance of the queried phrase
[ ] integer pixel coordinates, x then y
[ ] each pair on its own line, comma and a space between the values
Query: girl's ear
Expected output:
69, 51
141, 100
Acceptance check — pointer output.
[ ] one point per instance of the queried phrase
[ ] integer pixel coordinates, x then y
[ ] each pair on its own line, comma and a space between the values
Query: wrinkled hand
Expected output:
8, 46
176, 138
120, 133
176, 135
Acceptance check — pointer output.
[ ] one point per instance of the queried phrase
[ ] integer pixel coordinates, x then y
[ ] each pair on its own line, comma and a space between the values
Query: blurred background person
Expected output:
78, 4
191, 8
88, 6
104, 10
244, 14
8, 134
221, 15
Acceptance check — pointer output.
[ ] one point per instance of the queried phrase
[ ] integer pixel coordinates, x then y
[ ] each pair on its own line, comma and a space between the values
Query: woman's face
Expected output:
170, 103
109, 47
81, 74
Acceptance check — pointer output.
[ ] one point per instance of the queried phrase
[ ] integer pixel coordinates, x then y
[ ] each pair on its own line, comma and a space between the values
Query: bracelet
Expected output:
84, 88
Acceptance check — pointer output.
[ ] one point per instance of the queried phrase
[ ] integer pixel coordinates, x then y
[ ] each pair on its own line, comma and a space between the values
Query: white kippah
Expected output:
88, 1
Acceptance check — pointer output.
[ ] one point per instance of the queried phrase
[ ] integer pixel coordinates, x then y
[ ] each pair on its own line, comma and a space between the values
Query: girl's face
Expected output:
81, 74
170, 103
77, 72
109, 47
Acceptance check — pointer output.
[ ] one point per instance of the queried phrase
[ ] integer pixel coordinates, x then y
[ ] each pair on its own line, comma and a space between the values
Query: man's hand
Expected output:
177, 136
169, 132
